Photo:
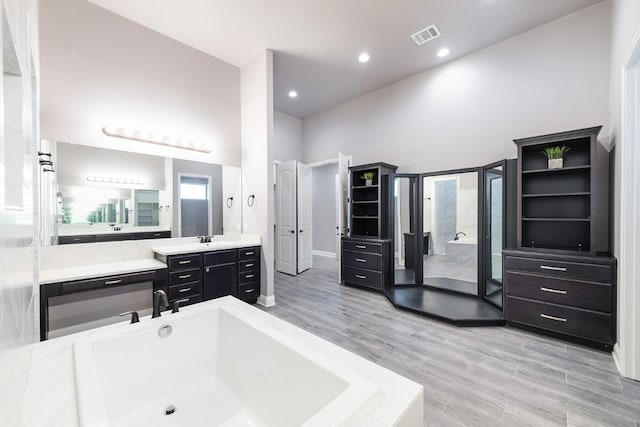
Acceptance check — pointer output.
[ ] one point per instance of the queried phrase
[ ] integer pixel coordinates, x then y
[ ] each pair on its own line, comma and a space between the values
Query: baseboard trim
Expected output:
616, 358
324, 254
267, 301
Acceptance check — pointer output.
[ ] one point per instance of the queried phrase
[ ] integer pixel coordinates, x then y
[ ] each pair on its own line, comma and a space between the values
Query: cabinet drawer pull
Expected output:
184, 262
185, 276
184, 290
557, 319
553, 291
156, 235
361, 246
112, 282
249, 276
249, 253
548, 267
361, 260
247, 291
360, 276
249, 265
77, 239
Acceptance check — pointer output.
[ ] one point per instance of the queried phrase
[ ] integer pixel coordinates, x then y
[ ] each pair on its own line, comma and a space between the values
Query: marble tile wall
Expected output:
18, 207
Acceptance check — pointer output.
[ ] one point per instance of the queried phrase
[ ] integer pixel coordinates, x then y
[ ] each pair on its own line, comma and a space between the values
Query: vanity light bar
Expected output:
113, 180
136, 135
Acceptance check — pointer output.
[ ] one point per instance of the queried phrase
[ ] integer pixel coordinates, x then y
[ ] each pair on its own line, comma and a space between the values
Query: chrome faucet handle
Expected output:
176, 305
134, 316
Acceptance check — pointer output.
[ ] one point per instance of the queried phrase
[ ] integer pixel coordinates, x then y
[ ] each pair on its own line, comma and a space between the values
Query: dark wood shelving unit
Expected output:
565, 208
370, 203
561, 280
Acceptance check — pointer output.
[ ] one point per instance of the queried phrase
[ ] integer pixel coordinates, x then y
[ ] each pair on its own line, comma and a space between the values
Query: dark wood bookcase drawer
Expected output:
362, 260
592, 296
358, 246
576, 322
557, 268
362, 277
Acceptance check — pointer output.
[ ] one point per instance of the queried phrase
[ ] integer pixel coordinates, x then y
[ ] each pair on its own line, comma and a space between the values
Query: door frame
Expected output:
418, 222
626, 352
209, 196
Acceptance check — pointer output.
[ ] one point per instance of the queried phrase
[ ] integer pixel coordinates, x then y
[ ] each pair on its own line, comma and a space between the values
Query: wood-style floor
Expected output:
489, 376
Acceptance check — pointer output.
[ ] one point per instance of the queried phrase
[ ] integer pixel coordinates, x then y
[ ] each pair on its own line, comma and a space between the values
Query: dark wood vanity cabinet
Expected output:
366, 263
202, 276
248, 274
572, 297
184, 278
113, 237
220, 273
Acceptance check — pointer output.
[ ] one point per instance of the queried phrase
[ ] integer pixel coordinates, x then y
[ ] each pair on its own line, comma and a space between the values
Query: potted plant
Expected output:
368, 178
555, 155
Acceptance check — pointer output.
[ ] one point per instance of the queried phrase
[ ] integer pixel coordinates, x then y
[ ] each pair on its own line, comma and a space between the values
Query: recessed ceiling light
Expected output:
364, 57
293, 94
443, 52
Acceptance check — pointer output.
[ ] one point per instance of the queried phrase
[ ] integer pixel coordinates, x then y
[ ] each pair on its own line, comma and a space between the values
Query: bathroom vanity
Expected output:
85, 294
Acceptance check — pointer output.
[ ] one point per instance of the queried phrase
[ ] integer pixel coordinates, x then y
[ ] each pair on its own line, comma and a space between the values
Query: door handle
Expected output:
301, 231
292, 231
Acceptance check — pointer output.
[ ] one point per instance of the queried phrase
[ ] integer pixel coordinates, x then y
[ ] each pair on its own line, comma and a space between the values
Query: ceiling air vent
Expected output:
426, 34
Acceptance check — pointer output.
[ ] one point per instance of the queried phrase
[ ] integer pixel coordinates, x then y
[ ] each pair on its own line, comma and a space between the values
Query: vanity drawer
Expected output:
186, 300
67, 240
572, 321
592, 296
185, 290
362, 277
154, 235
248, 253
184, 262
249, 291
248, 276
349, 245
251, 265
184, 276
576, 270
362, 260
105, 282
220, 257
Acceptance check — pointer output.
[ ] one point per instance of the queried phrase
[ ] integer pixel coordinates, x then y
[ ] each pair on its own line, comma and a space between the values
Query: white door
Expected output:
286, 217
343, 206
304, 218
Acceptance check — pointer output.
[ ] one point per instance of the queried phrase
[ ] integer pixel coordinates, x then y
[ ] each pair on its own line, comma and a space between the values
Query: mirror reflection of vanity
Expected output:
103, 195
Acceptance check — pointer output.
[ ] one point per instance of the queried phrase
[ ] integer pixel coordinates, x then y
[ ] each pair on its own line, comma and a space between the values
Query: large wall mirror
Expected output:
96, 190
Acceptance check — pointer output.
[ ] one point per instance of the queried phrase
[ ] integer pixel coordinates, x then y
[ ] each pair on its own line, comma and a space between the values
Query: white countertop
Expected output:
91, 230
98, 270
51, 388
218, 243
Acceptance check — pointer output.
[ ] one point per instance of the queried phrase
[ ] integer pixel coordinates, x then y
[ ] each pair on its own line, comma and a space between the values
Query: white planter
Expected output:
555, 163
368, 182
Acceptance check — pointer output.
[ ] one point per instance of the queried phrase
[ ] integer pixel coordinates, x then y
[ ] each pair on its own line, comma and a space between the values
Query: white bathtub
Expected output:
225, 363
464, 241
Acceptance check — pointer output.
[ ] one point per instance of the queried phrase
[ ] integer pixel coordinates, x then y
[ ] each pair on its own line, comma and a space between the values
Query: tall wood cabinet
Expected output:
561, 279
367, 258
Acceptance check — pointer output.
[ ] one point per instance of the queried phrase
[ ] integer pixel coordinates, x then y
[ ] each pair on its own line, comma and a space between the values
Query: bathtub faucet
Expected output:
160, 302
458, 235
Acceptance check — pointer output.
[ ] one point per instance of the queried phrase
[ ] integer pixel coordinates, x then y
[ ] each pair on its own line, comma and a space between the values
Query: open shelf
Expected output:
558, 219
581, 193
369, 203
582, 168
358, 187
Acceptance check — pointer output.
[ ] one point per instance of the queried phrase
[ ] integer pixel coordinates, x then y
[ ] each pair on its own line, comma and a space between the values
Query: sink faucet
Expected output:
205, 239
160, 302
458, 235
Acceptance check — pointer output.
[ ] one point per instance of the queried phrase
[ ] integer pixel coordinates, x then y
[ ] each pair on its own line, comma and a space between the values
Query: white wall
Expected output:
323, 206
232, 209
287, 137
625, 29
467, 112
19, 210
257, 162
99, 68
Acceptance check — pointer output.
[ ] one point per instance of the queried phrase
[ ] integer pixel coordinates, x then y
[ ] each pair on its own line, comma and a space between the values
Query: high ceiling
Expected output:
317, 42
